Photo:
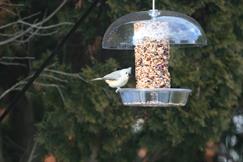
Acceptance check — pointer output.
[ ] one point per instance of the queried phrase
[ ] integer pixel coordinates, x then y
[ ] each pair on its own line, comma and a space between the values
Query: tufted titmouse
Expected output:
116, 79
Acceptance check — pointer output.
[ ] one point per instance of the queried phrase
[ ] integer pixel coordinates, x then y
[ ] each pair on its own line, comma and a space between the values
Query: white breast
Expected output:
120, 82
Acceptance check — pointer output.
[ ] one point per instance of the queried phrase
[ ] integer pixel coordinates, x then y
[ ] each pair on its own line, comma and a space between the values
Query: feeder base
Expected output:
157, 97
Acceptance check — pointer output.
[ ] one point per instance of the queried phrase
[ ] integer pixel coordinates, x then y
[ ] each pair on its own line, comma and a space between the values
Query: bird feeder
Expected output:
151, 34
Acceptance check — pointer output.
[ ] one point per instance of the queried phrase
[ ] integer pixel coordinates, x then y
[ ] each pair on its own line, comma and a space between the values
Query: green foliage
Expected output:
213, 73
91, 119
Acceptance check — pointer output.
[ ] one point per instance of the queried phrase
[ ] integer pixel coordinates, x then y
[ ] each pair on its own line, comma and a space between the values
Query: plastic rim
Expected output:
160, 97
180, 30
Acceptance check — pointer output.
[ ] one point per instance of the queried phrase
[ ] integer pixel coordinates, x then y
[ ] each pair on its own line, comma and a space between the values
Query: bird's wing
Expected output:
112, 76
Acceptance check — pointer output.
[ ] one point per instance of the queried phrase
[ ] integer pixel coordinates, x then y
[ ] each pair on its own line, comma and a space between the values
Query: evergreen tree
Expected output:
85, 121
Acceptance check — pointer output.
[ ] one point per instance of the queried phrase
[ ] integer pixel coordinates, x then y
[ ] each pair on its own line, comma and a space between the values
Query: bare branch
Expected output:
32, 153
61, 95
17, 58
15, 86
37, 33
15, 37
19, 21
32, 28
46, 84
8, 25
28, 38
31, 16
8, 35
52, 85
46, 34
54, 78
75, 75
19, 85
12, 64
8, 140
11, 4
12, 89
53, 13
52, 65
36, 26
24, 81
8, 11
63, 73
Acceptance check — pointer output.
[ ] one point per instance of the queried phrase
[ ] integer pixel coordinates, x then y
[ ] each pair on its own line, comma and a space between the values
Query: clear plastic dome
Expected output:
178, 29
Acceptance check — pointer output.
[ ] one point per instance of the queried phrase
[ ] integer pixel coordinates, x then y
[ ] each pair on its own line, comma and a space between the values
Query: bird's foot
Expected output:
118, 89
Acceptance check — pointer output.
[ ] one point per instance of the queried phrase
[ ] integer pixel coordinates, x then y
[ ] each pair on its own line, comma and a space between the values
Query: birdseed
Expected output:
151, 56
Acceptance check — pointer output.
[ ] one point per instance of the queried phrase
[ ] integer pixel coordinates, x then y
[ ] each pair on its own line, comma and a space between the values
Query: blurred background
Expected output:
65, 118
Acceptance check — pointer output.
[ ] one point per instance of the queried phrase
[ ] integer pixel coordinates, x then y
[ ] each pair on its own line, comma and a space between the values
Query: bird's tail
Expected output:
97, 79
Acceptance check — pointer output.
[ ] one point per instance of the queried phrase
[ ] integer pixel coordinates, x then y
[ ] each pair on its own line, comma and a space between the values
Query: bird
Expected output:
116, 79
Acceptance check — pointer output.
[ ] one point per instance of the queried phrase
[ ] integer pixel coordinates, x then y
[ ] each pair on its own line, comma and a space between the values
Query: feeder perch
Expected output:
151, 34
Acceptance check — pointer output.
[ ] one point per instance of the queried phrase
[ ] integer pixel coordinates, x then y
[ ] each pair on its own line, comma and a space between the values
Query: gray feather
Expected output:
112, 76
97, 79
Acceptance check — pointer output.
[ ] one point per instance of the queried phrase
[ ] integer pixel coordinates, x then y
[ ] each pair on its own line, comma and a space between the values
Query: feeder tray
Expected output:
159, 97
151, 34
